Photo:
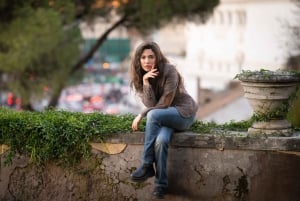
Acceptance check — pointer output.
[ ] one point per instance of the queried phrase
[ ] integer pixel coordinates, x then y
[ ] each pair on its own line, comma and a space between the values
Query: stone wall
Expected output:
200, 167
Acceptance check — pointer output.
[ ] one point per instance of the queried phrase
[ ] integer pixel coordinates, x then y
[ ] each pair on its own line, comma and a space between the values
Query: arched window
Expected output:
241, 17
229, 17
221, 18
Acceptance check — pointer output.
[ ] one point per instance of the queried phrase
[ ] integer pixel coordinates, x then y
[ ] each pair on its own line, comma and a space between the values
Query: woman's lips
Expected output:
148, 67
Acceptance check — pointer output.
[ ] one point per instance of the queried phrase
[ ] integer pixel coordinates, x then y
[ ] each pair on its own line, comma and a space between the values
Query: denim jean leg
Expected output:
161, 156
160, 125
171, 118
151, 132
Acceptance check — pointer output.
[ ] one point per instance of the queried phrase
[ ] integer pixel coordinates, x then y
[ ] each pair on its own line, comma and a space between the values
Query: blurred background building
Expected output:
240, 35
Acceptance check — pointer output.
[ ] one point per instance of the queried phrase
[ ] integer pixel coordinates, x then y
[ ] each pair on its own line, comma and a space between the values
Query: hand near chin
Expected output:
153, 73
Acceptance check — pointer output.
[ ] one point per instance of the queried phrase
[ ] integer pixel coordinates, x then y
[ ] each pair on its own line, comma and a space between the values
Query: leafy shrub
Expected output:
63, 137
57, 135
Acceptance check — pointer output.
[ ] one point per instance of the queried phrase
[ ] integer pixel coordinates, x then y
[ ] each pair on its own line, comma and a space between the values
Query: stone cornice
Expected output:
232, 141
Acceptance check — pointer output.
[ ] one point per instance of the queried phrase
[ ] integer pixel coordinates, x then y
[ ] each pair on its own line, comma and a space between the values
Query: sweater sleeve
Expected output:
148, 98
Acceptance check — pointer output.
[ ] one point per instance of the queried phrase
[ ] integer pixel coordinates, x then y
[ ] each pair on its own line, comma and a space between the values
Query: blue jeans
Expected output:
160, 125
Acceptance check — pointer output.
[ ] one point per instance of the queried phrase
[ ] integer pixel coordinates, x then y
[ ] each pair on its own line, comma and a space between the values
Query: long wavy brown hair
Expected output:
136, 70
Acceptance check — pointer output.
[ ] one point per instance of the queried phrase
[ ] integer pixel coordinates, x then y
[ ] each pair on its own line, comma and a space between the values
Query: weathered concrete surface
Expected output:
228, 168
221, 140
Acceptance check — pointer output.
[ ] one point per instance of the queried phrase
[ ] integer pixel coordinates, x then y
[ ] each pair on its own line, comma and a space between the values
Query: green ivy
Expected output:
57, 135
266, 74
63, 137
212, 127
294, 113
281, 111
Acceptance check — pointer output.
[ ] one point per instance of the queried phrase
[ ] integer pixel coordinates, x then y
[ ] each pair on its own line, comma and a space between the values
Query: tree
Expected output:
293, 62
56, 22
37, 46
146, 15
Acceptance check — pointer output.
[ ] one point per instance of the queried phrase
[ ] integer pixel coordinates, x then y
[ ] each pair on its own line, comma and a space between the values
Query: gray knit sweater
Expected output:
168, 94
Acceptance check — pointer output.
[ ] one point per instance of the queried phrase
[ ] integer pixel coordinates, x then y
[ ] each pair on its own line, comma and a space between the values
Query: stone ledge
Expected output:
232, 140
214, 167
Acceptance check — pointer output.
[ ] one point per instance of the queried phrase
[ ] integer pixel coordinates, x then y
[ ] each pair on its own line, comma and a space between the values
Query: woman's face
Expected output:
147, 60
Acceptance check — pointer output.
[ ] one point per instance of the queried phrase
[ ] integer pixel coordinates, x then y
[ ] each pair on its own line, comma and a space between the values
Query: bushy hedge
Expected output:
294, 112
57, 135
64, 137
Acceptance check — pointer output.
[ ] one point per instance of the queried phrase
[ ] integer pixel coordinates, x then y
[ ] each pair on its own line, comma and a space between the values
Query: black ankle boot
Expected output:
143, 173
159, 192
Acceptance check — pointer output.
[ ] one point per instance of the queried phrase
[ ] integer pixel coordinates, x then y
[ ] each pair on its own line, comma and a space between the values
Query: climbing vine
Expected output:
266, 75
281, 111
57, 135
63, 137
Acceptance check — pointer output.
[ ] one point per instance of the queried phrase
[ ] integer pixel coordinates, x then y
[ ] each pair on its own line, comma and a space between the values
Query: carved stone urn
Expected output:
269, 94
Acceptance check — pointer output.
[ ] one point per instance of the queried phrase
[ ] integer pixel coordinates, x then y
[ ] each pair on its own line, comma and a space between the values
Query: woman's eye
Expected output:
149, 57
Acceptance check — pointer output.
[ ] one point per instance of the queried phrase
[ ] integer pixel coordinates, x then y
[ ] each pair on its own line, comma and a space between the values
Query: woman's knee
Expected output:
161, 143
162, 140
152, 115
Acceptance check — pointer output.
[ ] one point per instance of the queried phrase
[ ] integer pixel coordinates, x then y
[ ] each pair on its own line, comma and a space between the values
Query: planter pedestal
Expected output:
266, 96
272, 127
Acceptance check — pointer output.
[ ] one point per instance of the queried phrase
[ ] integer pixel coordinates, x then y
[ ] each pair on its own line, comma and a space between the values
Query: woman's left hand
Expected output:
136, 122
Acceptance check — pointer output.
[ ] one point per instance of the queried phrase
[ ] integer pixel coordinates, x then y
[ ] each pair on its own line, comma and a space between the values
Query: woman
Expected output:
168, 108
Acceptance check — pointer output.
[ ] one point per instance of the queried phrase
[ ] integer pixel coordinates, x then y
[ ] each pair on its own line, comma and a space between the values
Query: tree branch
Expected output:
99, 42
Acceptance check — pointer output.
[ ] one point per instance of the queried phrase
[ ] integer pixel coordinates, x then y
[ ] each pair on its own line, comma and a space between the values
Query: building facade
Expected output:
240, 35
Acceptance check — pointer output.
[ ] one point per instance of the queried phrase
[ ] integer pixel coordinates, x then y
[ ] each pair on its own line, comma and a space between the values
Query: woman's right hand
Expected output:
150, 74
